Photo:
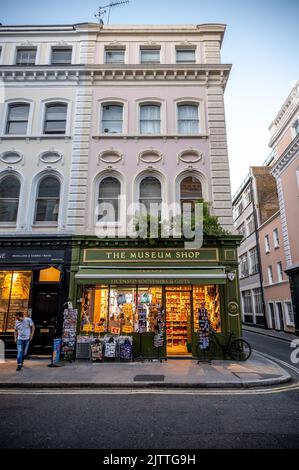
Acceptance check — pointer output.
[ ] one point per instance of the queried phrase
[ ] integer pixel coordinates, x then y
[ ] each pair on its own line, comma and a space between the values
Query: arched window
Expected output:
190, 193
150, 119
55, 118
9, 198
112, 119
17, 118
47, 201
188, 119
109, 199
150, 194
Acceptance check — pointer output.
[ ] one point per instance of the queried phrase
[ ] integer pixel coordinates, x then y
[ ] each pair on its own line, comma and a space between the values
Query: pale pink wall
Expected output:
277, 291
131, 146
290, 189
284, 141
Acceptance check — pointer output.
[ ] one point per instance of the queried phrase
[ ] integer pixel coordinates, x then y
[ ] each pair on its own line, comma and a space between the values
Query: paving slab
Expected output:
257, 371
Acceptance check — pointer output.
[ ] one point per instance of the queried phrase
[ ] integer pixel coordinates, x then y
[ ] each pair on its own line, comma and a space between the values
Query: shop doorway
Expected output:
44, 315
178, 321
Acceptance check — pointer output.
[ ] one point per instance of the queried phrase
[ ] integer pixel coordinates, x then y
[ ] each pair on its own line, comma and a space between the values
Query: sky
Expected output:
261, 42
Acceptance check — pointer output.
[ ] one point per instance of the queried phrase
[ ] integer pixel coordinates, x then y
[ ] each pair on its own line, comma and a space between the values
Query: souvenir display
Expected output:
178, 308
125, 348
110, 346
204, 327
209, 295
83, 349
94, 310
159, 336
121, 310
97, 351
69, 328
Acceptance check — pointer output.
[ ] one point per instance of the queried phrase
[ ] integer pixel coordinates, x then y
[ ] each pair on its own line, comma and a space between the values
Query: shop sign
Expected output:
87, 328
99, 329
94, 255
30, 256
115, 330
127, 329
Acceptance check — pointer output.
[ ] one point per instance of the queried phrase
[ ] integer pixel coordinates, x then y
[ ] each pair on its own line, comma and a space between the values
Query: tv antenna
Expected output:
107, 9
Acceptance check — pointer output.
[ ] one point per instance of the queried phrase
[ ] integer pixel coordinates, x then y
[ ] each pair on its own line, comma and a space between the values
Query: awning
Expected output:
152, 276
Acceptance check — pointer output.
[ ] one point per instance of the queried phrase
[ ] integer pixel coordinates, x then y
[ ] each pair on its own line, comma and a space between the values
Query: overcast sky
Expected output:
261, 42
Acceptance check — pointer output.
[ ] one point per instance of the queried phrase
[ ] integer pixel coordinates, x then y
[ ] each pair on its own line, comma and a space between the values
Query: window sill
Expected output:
35, 137
150, 136
44, 225
8, 225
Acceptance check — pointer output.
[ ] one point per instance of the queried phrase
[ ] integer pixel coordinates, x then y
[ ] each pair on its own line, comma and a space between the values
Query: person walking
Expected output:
24, 331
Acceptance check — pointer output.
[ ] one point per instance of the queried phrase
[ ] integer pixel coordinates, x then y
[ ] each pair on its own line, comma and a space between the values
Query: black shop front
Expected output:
34, 279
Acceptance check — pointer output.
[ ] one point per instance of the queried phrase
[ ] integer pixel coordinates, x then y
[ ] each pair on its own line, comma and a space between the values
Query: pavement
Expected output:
258, 371
270, 333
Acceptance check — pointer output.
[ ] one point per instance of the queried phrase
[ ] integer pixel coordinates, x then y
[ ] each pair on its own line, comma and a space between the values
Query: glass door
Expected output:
178, 320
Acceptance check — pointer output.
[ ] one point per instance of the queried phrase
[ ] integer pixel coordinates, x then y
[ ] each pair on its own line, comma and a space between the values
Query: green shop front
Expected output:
127, 290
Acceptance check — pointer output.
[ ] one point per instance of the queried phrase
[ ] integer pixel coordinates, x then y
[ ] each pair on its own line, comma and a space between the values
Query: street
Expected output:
177, 419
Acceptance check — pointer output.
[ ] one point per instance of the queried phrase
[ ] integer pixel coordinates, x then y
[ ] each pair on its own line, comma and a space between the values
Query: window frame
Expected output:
110, 49
37, 198
144, 104
111, 103
15, 104
48, 105
179, 49
267, 244
116, 222
270, 275
178, 120
61, 48
279, 270
276, 240
143, 49
25, 48
14, 223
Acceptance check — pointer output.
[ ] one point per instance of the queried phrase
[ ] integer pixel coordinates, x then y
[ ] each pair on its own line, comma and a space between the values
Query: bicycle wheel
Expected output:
239, 350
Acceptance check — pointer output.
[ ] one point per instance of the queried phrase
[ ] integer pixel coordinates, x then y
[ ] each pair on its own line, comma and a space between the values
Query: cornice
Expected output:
286, 158
285, 113
204, 74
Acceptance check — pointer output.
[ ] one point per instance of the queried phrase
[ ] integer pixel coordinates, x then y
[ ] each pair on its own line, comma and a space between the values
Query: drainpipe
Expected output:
258, 251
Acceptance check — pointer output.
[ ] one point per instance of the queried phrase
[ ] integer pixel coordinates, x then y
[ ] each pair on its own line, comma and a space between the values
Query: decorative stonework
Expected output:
110, 156
190, 156
150, 156
233, 308
11, 157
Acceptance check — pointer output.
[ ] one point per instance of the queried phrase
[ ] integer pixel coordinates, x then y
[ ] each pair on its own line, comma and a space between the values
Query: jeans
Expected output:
22, 347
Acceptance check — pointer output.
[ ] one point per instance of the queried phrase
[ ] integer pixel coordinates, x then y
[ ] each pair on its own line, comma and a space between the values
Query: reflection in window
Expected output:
9, 198
17, 119
115, 56
55, 118
150, 194
47, 202
190, 193
61, 55
112, 119
185, 56
188, 119
109, 200
150, 119
26, 56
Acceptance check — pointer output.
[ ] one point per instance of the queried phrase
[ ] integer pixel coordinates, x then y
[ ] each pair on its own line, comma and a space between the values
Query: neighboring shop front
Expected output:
124, 291
34, 280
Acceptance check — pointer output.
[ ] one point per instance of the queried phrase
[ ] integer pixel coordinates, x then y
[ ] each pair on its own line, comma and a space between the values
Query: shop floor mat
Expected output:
149, 378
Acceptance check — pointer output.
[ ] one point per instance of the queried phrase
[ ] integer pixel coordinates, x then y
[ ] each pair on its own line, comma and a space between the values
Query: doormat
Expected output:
149, 378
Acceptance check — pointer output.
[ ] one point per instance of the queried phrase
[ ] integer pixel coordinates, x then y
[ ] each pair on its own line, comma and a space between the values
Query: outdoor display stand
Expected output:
159, 336
69, 328
203, 334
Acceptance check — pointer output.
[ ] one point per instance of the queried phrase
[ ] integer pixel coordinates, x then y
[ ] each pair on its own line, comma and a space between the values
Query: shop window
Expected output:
188, 119
207, 297
55, 118
47, 202
94, 314
9, 199
112, 119
109, 200
190, 193
17, 119
14, 297
49, 275
150, 194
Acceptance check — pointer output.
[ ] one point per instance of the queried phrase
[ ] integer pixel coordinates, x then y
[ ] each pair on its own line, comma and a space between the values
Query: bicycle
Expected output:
236, 348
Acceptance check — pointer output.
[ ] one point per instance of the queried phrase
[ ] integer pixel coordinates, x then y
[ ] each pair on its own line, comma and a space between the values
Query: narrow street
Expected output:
155, 419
